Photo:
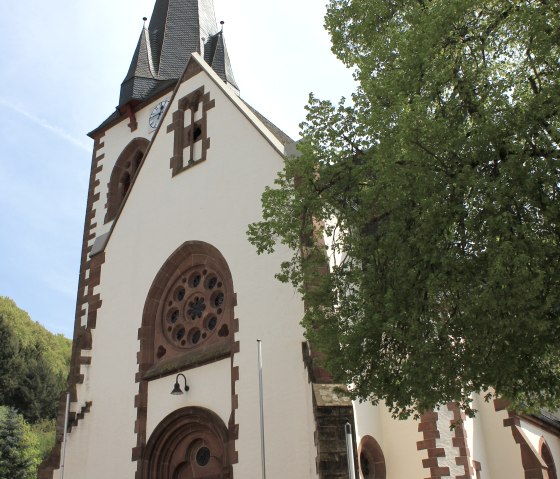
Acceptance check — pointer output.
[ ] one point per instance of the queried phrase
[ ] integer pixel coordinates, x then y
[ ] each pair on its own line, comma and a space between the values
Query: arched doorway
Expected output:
190, 443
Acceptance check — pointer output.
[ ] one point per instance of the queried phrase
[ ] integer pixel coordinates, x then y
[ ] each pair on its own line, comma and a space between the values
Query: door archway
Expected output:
190, 443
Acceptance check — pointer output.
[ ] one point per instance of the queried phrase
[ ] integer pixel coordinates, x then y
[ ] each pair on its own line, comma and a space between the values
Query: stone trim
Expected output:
195, 310
74, 419
371, 450
129, 111
189, 253
429, 428
253, 119
534, 466
85, 299
187, 429
107, 125
195, 132
52, 462
233, 427
541, 424
477, 467
200, 357
127, 162
94, 300
460, 441
548, 458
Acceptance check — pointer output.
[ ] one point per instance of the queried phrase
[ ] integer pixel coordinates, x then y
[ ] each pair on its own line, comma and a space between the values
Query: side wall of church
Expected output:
495, 444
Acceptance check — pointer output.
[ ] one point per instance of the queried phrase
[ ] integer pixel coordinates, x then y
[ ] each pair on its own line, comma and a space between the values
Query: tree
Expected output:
17, 448
33, 364
438, 192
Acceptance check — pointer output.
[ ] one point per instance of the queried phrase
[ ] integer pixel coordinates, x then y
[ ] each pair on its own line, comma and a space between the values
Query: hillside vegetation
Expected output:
33, 370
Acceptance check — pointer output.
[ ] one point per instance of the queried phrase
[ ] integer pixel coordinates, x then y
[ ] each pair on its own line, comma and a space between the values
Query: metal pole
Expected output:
259, 358
350, 450
63, 457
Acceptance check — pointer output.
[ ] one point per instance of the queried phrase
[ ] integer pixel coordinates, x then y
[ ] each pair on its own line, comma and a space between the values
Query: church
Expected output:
174, 306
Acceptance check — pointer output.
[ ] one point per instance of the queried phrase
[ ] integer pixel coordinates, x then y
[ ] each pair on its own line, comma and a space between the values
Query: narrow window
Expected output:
123, 174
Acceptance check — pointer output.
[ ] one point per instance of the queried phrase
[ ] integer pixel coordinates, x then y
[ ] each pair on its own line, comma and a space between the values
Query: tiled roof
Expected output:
215, 54
277, 132
550, 418
176, 30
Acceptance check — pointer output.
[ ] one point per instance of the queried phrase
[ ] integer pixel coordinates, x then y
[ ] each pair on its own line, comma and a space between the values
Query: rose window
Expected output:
193, 308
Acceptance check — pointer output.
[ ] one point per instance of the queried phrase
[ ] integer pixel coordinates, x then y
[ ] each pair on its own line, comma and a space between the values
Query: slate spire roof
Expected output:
177, 29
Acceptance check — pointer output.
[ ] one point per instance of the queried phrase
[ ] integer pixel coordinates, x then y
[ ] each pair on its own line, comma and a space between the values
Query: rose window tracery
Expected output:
193, 309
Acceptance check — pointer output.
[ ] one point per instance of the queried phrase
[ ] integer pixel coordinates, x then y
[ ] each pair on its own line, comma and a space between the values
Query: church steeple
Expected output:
177, 29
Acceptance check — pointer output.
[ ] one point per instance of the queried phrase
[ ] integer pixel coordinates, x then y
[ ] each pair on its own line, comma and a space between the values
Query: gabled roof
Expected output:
177, 29
552, 419
277, 132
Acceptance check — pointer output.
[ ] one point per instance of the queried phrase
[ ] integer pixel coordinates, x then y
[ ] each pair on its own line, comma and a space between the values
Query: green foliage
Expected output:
18, 447
33, 369
438, 192
33, 364
45, 434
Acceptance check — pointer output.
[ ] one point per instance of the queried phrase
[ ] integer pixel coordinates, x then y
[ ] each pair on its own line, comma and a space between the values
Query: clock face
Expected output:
157, 113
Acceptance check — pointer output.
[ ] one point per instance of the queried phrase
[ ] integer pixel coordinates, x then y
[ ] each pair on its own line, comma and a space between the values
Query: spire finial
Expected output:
145, 20
222, 24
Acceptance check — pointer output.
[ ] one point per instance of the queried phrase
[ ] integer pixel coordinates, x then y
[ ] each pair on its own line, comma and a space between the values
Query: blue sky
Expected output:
62, 65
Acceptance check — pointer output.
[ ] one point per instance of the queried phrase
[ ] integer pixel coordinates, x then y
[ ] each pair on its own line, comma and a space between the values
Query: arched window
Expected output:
123, 174
189, 308
195, 309
372, 461
548, 459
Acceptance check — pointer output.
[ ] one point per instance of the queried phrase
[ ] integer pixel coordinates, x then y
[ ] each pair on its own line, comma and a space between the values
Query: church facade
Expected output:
173, 298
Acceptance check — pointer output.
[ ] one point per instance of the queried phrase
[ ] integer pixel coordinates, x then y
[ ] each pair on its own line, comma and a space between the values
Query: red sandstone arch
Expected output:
371, 459
190, 443
123, 175
546, 455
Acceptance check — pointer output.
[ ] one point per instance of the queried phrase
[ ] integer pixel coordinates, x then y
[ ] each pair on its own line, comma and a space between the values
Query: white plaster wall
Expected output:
468, 426
503, 456
206, 384
212, 202
477, 441
77, 455
398, 441
534, 435
367, 421
115, 141
108, 430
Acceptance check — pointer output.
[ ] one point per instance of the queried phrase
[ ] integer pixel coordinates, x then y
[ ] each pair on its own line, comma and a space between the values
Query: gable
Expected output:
233, 127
